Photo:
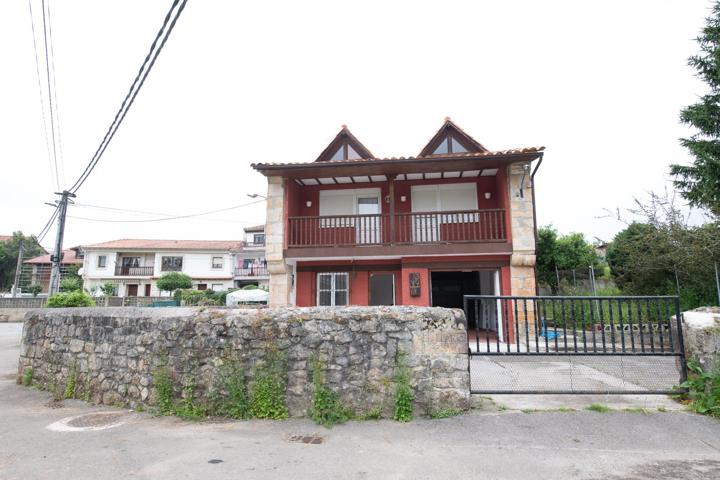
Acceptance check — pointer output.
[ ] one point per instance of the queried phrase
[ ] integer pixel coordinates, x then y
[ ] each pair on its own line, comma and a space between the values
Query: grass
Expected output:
641, 411
597, 407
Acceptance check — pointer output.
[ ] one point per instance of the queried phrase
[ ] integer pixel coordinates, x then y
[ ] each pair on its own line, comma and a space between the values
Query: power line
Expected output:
54, 93
46, 228
42, 99
50, 98
177, 217
133, 91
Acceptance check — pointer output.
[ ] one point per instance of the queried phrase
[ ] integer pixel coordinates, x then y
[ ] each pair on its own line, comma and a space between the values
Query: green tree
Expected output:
35, 289
699, 183
9, 255
172, 281
70, 284
566, 252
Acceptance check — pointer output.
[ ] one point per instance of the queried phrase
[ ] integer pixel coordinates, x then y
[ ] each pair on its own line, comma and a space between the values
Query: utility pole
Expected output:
56, 257
18, 268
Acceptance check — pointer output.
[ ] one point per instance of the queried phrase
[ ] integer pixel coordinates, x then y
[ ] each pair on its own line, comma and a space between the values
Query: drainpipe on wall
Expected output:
535, 229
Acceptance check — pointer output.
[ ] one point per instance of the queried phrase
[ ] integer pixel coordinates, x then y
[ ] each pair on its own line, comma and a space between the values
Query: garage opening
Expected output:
448, 289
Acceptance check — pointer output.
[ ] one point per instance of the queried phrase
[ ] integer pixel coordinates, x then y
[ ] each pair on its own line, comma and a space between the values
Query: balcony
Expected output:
258, 271
134, 271
416, 228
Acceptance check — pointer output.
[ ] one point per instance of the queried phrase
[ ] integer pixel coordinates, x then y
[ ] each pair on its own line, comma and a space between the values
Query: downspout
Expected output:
535, 228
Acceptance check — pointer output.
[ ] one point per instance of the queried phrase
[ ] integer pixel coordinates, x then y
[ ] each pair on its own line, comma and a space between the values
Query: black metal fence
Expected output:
573, 344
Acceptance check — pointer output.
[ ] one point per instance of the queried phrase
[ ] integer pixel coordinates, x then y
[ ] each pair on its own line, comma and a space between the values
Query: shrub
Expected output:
269, 389
403, 391
70, 284
27, 377
232, 379
34, 289
327, 409
163, 391
187, 409
78, 298
171, 281
72, 382
703, 389
194, 297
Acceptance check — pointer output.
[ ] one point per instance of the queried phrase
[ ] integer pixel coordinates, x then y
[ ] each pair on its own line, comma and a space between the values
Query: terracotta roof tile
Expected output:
69, 257
497, 153
135, 243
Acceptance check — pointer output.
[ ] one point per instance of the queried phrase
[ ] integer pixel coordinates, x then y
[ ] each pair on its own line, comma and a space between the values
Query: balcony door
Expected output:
367, 229
428, 203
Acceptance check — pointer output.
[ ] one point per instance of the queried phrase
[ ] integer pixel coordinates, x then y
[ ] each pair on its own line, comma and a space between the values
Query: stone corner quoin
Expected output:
115, 351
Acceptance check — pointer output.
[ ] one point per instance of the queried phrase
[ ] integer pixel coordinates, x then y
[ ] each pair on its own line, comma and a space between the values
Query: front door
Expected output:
132, 291
147, 289
382, 289
367, 226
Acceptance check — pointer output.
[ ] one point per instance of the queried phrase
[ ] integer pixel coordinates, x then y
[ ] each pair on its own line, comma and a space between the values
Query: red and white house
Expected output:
353, 229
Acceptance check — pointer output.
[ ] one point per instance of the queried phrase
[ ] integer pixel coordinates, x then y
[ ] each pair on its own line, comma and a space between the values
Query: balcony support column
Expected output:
391, 194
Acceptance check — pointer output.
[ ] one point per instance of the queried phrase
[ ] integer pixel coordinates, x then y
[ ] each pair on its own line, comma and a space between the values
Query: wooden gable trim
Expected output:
342, 140
450, 129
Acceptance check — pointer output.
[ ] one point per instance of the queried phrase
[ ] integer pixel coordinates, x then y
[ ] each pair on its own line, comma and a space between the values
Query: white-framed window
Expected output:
216, 287
333, 289
345, 203
102, 261
447, 197
171, 264
217, 262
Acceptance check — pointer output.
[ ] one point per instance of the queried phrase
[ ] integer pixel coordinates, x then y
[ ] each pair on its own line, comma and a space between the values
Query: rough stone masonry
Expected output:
115, 350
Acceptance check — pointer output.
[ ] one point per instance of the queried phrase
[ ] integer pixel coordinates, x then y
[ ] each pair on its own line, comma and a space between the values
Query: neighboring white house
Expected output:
134, 265
250, 263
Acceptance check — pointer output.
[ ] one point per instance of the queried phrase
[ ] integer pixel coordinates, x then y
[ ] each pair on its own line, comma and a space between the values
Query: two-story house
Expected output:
134, 265
351, 228
250, 263
36, 271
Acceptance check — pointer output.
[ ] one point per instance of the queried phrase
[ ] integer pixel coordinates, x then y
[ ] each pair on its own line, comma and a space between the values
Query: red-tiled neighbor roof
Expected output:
5, 238
256, 228
136, 243
69, 257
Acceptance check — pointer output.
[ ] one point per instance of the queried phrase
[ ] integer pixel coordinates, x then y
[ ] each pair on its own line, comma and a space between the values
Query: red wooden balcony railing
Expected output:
460, 226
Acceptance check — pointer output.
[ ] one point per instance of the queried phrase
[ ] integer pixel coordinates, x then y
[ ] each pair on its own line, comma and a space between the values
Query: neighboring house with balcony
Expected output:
350, 228
250, 263
134, 265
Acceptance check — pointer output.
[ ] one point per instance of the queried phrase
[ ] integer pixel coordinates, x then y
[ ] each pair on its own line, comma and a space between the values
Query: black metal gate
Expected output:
629, 345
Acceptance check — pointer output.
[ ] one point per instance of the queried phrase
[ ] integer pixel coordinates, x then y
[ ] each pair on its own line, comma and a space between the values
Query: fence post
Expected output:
557, 279
594, 290
677, 281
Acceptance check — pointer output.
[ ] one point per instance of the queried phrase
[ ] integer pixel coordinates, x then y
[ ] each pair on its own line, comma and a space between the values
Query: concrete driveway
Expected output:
489, 443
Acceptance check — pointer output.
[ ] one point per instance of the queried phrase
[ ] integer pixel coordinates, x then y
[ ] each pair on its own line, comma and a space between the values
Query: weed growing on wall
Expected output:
163, 391
269, 390
71, 381
234, 403
703, 389
327, 409
403, 391
187, 408
27, 377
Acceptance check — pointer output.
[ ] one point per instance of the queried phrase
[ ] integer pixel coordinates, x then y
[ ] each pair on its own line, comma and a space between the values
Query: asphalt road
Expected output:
487, 444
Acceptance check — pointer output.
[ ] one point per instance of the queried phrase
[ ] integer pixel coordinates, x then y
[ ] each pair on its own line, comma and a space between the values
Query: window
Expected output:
449, 145
130, 261
332, 289
102, 261
217, 287
344, 204
202, 286
217, 262
172, 264
259, 239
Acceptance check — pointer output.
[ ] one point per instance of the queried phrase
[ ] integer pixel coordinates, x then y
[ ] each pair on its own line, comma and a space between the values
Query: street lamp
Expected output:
256, 195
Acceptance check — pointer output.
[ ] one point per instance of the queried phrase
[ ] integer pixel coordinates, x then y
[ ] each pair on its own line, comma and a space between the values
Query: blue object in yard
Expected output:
544, 332
164, 303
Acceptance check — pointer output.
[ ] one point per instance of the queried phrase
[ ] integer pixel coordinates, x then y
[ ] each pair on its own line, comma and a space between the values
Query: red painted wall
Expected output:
424, 298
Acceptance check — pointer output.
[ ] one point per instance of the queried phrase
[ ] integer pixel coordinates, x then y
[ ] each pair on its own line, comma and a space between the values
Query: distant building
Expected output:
250, 263
36, 271
134, 265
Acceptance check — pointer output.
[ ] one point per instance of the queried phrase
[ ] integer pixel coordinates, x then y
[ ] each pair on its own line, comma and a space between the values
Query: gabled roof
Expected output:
256, 228
69, 257
342, 139
136, 244
449, 128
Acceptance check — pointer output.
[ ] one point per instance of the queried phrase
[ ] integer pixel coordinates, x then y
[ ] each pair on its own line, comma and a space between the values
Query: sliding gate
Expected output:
630, 345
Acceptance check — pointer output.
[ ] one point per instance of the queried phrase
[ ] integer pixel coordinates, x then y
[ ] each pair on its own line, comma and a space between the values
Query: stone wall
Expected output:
116, 350
13, 314
701, 330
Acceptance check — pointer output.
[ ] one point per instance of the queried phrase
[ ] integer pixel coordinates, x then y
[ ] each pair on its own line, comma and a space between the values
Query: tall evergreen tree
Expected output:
699, 183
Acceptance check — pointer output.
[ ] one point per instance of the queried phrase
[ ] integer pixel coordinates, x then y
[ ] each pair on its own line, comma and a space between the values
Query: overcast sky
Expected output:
600, 84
